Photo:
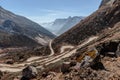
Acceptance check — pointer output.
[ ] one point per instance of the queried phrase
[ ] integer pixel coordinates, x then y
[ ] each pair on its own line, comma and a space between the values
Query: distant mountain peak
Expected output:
61, 25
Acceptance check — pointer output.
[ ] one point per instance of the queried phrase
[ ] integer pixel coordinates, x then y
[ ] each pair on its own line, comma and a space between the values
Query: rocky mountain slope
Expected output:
104, 18
98, 59
16, 40
88, 51
60, 26
11, 23
106, 2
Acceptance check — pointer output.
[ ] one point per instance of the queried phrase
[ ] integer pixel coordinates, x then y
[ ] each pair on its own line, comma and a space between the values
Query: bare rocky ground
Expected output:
95, 52
112, 72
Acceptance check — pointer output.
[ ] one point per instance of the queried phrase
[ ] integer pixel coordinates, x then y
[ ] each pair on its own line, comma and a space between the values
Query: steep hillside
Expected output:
11, 36
104, 18
59, 26
106, 2
13, 23
88, 51
16, 40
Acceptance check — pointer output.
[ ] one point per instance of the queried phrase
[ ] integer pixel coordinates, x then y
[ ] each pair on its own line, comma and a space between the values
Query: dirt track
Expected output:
45, 60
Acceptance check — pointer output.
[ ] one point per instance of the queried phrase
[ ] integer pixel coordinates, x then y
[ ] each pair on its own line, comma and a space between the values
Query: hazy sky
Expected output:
48, 10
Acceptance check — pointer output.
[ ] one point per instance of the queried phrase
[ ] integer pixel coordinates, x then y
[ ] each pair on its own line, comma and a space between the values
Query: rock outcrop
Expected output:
106, 2
29, 72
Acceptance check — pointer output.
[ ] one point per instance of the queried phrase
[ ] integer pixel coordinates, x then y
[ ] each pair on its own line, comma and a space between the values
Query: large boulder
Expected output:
111, 49
73, 63
65, 68
29, 72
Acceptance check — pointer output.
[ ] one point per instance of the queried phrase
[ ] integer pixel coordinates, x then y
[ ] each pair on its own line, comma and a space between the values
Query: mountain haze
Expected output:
60, 26
90, 50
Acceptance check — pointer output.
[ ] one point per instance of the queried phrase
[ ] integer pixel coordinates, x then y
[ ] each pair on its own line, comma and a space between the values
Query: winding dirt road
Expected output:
62, 49
51, 49
41, 57
46, 60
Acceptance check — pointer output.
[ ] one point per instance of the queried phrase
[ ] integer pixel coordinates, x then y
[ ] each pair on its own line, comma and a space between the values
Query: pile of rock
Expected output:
29, 72
66, 66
